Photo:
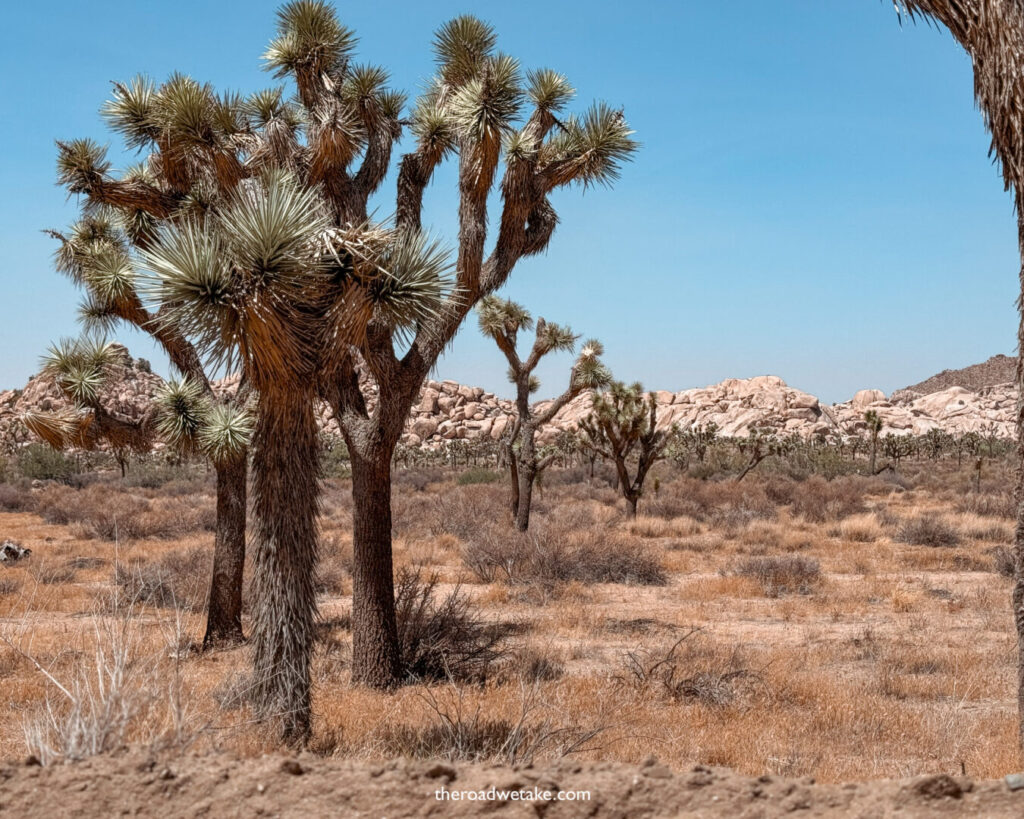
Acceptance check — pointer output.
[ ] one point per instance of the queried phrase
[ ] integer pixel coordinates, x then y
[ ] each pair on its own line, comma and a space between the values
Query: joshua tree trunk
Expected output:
224, 613
874, 453
1018, 546
527, 476
285, 477
376, 659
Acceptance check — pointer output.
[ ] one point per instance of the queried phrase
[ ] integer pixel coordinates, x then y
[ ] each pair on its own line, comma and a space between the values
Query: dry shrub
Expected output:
532, 665
50, 572
107, 513
857, 529
9, 585
992, 504
927, 530
334, 567
16, 499
725, 503
179, 579
460, 732
443, 637
553, 554
691, 669
782, 574
818, 500
1002, 561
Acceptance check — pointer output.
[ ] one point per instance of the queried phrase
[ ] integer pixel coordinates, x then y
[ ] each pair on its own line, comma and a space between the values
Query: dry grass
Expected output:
899, 661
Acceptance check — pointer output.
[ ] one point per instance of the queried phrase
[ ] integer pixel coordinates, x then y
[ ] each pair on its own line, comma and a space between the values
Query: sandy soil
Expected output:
136, 784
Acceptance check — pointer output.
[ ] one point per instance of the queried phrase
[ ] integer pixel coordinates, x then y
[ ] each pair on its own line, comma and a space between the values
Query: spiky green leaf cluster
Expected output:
81, 367
192, 421
498, 317
310, 39
590, 149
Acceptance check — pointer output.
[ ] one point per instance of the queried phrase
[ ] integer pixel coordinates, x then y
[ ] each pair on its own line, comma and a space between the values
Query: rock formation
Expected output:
448, 411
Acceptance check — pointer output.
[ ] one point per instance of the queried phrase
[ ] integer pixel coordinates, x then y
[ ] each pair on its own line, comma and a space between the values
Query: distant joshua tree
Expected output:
874, 424
502, 320
624, 422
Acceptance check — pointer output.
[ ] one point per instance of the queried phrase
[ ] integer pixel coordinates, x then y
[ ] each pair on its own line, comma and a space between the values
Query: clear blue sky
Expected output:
813, 197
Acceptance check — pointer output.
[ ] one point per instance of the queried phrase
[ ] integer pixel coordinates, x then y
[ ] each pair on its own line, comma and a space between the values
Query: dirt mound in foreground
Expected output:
139, 785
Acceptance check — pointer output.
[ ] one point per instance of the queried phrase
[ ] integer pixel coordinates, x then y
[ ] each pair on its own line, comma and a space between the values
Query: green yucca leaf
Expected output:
190, 281
460, 47
309, 38
364, 82
226, 432
414, 274
272, 233
502, 317
554, 337
485, 106
96, 315
593, 147
109, 274
181, 409
130, 112
433, 127
184, 110
81, 383
81, 165
548, 89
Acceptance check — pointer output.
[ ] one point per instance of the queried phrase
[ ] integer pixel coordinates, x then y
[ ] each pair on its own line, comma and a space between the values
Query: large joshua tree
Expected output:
624, 422
304, 317
479, 109
502, 320
992, 33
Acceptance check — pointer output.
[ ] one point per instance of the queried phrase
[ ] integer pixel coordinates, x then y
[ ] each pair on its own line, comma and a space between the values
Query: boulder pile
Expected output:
448, 411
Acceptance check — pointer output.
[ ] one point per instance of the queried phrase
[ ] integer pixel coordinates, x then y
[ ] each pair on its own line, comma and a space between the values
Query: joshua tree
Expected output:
874, 424
757, 446
502, 321
897, 447
992, 33
82, 369
624, 420
185, 415
359, 301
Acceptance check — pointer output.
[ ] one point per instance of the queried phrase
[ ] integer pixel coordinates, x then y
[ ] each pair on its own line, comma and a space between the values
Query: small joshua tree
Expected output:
874, 427
502, 320
623, 421
185, 415
82, 369
758, 445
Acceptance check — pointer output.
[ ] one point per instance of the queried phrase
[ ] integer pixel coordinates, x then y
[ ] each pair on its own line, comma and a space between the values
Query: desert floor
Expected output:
853, 629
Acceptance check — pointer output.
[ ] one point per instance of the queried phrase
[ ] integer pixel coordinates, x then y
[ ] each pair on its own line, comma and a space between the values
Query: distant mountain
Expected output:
999, 369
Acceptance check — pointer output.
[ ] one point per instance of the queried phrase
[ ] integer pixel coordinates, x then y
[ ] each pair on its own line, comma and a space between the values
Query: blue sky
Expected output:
813, 198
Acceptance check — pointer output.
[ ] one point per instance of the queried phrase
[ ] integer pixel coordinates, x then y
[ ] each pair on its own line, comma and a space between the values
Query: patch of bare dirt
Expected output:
136, 784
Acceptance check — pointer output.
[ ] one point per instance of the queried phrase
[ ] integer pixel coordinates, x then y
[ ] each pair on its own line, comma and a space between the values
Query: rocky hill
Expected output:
447, 410
1000, 369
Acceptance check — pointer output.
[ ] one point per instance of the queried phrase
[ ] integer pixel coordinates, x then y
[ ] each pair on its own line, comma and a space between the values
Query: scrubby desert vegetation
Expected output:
846, 627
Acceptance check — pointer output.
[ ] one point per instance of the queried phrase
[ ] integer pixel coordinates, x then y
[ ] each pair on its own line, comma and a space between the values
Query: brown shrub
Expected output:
782, 574
993, 504
725, 503
1002, 561
552, 554
108, 513
49, 572
818, 500
443, 637
927, 530
15, 498
179, 579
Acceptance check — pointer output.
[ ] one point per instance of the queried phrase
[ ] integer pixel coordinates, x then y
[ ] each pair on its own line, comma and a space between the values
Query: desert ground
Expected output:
787, 625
